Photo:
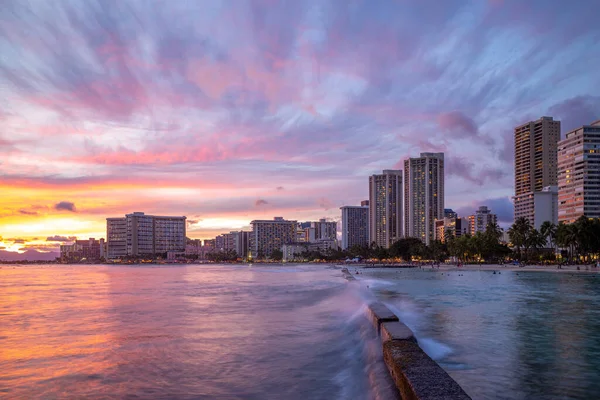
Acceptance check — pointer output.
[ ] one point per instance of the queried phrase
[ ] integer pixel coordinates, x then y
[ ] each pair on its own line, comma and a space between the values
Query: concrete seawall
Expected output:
415, 374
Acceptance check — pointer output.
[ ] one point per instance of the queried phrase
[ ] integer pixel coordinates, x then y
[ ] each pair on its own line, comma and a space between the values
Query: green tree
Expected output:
406, 248
359, 251
437, 251
535, 240
548, 231
518, 234
277, 255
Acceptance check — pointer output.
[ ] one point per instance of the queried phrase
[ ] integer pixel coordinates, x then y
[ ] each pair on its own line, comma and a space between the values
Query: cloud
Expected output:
16, 240
576, 111
260, 202
65, 205
469, 171
112, 106
58, 238
325, 203
192, 221
457, 124
26, 212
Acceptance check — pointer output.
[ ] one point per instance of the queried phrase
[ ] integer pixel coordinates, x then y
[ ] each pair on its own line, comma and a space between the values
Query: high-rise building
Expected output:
483, 216
116, 237
139, 234
423, 195
579, 174
536, 162
325, 230
355, 226
385, 207
269, 235
169, 233
471, 219
364, 203
455, 226
240, 243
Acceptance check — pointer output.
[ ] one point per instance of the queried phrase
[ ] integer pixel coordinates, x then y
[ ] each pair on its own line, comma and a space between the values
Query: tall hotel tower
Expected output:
536, 164
385, 207
355, 226
423, 195
579, 174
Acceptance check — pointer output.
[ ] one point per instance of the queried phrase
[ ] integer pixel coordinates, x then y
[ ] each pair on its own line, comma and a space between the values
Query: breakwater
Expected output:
415, 374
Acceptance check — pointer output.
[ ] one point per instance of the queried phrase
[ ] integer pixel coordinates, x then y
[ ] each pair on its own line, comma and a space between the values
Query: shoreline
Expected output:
492, 267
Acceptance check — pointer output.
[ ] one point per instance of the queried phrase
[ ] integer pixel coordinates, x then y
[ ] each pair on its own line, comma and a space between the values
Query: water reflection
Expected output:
186, 332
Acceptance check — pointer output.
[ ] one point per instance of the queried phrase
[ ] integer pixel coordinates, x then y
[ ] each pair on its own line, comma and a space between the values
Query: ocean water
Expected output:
288, 332
186, 332
509, 335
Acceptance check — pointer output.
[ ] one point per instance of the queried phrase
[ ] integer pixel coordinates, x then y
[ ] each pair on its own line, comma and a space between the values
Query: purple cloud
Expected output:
249, 95
576, 111
27, 212
58, 238
260, 202
65, 206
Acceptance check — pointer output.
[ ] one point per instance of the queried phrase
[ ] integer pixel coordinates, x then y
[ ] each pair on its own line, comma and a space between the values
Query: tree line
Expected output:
577, 241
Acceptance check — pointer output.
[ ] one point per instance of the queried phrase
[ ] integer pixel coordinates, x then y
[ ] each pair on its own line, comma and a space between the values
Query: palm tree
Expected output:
548, 231
566, 237
518, 233
535, 240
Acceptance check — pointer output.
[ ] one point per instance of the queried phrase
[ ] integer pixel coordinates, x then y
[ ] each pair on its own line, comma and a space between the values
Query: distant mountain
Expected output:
29, 255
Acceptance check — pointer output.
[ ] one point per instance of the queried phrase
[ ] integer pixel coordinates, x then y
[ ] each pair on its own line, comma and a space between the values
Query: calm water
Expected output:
185, 332
513, 335
293, 332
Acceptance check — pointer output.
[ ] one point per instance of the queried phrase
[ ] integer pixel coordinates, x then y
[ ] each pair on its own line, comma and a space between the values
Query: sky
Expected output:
229, 111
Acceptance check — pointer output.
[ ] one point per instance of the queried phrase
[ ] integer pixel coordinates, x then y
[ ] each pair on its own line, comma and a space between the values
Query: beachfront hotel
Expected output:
385, 207
269, 235
138, 234
355, 226
479, 221
423, 195
579, 174
536, 166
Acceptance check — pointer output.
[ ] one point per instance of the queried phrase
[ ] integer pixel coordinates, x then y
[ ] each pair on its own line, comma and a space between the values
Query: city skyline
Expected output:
244, 112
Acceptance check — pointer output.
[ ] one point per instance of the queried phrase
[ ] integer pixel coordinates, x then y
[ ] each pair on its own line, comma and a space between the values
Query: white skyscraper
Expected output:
423, 195
385, 207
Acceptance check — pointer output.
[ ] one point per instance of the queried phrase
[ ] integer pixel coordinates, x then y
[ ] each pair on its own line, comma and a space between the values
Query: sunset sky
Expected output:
228, 111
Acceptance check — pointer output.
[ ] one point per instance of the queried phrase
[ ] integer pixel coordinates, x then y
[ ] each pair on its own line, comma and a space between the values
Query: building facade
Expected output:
83, 250
269, 235
325, 230
385, 208
423, 195
482, 218
536, 162
138, 234
116, 237
355, 226
240, 243
579, 174
455, 226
